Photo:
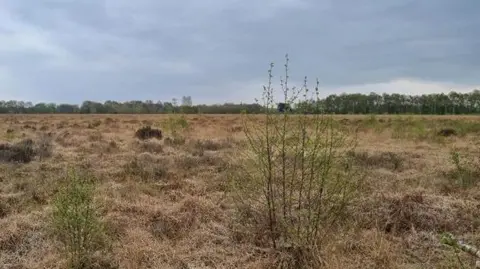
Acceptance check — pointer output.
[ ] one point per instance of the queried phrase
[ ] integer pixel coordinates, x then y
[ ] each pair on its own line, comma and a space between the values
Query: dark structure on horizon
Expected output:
282, 107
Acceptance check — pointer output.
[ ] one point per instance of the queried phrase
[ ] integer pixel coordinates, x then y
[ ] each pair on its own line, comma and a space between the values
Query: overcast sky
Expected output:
220, 50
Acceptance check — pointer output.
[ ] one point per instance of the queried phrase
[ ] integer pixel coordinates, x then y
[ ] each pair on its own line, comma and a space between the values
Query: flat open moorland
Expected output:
167, 203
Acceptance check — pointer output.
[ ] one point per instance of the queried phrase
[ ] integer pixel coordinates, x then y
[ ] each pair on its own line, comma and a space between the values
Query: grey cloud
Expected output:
65, 50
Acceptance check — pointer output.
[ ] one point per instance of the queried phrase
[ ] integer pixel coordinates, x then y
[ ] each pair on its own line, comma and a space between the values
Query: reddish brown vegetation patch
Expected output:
447, 132
148, 132
21, 152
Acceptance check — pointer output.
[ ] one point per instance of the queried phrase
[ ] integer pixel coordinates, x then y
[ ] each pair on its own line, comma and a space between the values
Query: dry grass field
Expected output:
167, 203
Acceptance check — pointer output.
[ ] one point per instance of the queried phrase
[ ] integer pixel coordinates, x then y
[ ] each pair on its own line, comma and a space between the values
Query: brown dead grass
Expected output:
166, 203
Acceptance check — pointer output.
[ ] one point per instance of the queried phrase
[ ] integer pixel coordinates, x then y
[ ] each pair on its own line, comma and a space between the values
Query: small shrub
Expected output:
147, 133
176, 124
21, 152
296, 173
447, 132
466, 172
76, 221
112, 144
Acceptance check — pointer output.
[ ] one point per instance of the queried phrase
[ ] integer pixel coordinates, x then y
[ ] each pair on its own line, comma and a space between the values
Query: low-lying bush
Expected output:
21, 152
148, 132
447, 132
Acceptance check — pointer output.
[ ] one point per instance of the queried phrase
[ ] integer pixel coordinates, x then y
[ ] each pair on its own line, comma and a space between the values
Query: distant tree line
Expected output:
440, 104
373, 103
129, 107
